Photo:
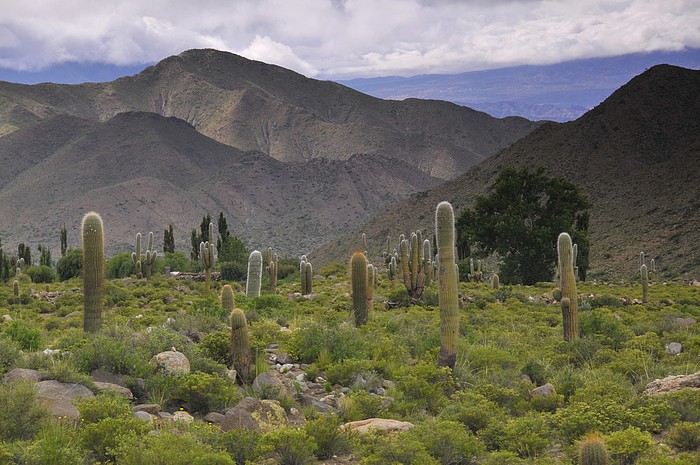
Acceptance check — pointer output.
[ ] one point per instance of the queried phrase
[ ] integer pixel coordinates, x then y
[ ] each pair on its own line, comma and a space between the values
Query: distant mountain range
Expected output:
636, 156
560, 92
291, 161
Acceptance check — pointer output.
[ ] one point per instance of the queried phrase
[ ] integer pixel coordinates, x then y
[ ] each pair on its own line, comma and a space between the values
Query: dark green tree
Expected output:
4, 265
24, 252
194, 241
44, 255
520, 220
169, 240
64, 240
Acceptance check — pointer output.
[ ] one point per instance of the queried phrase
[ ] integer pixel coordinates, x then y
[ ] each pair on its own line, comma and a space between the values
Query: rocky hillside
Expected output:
255, 106
637, 157
142, 171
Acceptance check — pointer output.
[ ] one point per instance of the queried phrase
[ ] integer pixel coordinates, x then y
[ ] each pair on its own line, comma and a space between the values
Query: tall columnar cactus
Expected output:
240, 345
495, 282
93, 271
575, 253
228, 300
272, 276
642, 259
364, 243
567, 284
448, 277
254, 279
392, 270
388, 254
136, 258
592, 451
302, 274
150, 258
206, 257
427, 264
411, 260
644, 274
358, 278
371, 270
652, 270
307, 276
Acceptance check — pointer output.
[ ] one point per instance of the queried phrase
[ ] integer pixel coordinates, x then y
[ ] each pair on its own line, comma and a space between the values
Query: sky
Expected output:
342, 39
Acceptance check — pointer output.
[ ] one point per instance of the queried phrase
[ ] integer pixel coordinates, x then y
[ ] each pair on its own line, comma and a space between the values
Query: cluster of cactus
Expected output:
306, 274
136, 258
240, 345
475, 276
592, 451
567, 284
359, 282
412, 264
20, 265
254, 277
448, 277
150, 258
93, 271
392, 269
206, 257
272, 268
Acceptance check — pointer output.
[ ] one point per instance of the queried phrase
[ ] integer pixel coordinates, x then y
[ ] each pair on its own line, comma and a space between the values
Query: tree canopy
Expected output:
520, 220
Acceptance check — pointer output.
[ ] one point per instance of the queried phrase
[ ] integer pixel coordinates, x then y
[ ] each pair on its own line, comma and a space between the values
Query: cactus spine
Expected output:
447, 284
228, 300
240, 345
254, 279
567, 284
358, 278
592, 451
644, 273
136, 257
206, 257
93, 271
150, 259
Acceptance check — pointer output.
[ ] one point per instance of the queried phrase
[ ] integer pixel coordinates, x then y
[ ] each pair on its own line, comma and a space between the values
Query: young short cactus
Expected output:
254, 279
495, 282
206, 257
15, 288
592, 451
272, 267
136, 258
150, 258
392, 270
240, 345
556, 294
447, 284
228, 300
567, 283
93, 271
644, 274
358, 278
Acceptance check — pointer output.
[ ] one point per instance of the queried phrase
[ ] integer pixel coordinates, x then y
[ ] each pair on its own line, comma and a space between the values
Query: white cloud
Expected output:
345, 38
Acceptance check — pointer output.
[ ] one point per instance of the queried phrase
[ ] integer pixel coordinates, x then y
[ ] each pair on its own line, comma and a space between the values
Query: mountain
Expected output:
559, 92
142, 171
255, 106
636, 156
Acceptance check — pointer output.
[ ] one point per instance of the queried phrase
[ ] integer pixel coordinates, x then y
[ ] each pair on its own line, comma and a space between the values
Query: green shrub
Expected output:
360, 405
104, 436
114, 355
55, 445
627, 445
686, 403
70, 265
41, 274
28, 338
177, 261
21, 415
287, 446
167, 448
6, 456
328, 436
103, 405
449, 442
396, 449
473, 410
240, 444
9, 353
603, 326
503, 457
536, 371
685, 436
217, 346
204, 392
119, 266
233, 271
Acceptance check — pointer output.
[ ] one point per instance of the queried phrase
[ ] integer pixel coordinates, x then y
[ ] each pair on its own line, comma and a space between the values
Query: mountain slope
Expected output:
255, 106
637, 157
142, 171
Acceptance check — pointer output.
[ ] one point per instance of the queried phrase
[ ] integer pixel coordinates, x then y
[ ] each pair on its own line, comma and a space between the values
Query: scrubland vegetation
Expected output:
483, 412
